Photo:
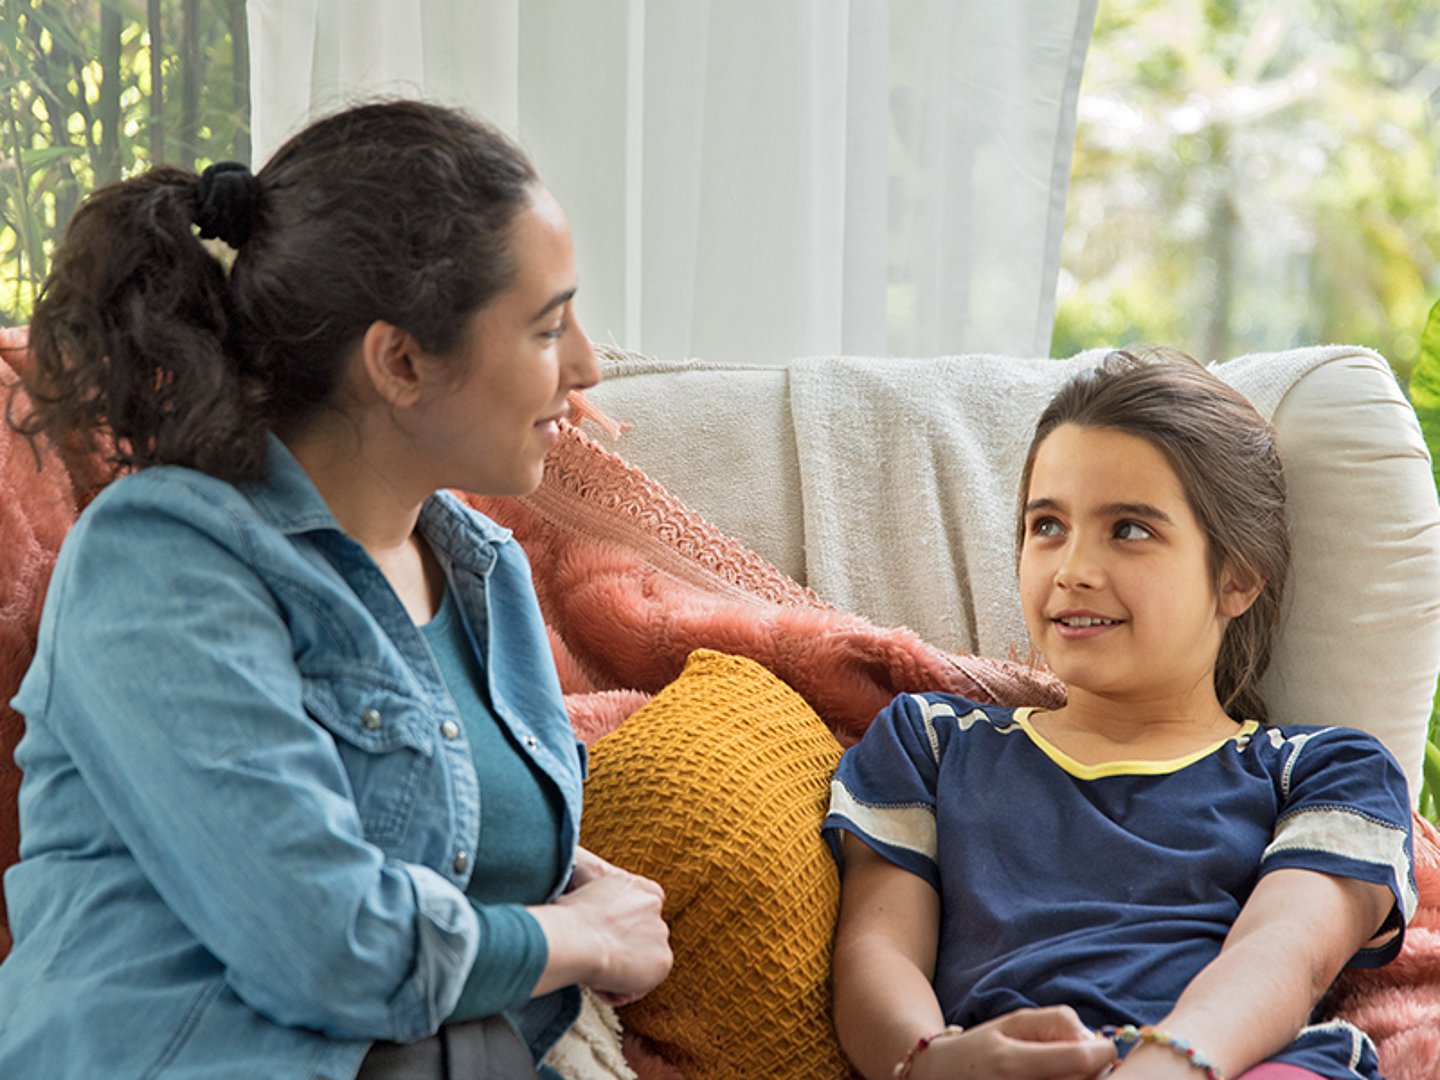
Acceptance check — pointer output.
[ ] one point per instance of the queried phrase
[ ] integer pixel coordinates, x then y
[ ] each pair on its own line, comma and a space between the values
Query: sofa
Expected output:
739, 565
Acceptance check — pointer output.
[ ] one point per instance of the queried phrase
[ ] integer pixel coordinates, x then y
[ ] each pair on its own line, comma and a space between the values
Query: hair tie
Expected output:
225, 203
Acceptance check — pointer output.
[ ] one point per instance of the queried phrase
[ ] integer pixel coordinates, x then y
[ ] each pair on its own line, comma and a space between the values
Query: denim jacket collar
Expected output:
289, 500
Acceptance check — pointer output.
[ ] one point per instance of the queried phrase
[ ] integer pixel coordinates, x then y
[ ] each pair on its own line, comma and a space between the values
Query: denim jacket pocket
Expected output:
384, 743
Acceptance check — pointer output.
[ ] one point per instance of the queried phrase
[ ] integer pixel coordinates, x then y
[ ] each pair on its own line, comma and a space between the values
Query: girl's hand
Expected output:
1154, 1063
1029, 1044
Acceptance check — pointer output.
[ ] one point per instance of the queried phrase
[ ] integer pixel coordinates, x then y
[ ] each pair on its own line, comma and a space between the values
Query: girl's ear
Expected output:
1238, 590
390, 363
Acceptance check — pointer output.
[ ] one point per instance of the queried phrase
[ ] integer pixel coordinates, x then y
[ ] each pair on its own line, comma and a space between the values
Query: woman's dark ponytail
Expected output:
130, 338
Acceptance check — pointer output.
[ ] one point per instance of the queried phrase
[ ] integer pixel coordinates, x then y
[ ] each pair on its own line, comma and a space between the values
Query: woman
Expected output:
299, 790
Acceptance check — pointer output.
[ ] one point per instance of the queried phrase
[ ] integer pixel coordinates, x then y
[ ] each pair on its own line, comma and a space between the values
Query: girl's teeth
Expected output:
1080, 622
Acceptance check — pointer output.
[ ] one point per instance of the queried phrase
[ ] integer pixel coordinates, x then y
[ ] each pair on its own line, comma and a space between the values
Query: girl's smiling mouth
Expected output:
1083, 623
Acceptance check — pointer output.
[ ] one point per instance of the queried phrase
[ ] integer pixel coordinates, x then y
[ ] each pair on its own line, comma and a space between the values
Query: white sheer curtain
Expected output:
747, 180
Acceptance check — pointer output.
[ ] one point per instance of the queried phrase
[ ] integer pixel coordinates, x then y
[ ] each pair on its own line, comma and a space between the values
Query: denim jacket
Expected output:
245, 832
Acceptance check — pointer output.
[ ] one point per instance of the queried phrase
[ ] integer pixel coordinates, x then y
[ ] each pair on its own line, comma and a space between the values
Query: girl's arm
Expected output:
885, 946
1294, 935
885, 949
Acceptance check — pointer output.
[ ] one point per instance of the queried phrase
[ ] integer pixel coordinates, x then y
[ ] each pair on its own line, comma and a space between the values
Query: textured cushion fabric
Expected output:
716, 788
37, 507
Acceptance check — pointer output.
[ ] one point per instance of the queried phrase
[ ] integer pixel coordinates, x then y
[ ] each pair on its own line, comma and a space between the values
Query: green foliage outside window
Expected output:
1425, 396
1252, 176
94, 90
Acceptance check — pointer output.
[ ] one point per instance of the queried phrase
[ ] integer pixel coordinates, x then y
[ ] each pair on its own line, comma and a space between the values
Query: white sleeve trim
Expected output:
1350, 835
911, 827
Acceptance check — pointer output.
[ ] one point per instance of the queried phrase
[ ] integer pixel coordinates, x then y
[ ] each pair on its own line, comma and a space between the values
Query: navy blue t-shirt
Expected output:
1108, 888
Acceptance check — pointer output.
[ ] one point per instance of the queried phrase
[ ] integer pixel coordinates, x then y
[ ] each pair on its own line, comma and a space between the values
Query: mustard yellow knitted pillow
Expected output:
716, 788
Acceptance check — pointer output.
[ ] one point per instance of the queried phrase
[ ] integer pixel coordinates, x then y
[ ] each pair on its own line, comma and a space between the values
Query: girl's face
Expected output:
1114, 571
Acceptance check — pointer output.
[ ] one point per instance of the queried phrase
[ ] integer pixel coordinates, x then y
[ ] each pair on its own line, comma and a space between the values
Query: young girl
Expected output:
1025, 891
300, 797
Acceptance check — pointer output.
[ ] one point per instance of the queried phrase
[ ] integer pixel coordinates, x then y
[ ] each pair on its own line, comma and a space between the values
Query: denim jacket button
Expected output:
371, 719
462, 860
531, 743
450, 729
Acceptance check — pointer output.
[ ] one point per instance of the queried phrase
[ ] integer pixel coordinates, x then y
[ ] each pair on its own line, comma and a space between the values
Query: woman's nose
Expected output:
581, 364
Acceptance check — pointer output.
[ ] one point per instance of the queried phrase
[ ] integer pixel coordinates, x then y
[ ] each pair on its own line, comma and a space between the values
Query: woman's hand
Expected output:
588, 867
606, 932
1029, 1044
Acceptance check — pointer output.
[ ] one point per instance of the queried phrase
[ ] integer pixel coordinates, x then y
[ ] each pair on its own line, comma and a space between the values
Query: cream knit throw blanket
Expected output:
909, 470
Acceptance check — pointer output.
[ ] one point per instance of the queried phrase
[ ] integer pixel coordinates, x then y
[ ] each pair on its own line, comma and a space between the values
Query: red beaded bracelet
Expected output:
902, 1071
1130, 1035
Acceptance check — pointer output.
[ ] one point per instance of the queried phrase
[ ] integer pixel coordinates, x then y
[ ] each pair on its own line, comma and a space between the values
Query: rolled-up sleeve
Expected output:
512, 956
170, 677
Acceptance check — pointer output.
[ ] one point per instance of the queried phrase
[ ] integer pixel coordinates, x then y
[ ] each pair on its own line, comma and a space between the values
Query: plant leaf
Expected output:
39, 157
1425, 386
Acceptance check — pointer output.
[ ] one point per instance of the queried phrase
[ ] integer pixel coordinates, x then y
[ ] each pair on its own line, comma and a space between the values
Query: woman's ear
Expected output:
390, 363
1238, 590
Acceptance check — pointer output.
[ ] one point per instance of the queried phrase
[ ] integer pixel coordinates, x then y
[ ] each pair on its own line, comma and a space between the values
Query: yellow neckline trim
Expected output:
1081, 771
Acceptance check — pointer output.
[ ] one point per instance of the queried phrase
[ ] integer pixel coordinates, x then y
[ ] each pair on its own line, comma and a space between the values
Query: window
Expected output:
93, 91
1252, 176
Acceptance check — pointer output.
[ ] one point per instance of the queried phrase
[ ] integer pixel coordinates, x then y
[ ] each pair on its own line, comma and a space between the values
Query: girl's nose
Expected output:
1078, 568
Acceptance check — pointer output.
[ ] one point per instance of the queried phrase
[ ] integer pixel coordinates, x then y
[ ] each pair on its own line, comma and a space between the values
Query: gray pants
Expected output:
487, 1049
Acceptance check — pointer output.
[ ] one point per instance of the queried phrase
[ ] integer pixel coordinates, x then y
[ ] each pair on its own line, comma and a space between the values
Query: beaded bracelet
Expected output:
902, 1071
1130, 1035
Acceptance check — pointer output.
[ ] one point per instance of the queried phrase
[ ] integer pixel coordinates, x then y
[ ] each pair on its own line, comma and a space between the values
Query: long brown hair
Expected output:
146, 350
1224, 454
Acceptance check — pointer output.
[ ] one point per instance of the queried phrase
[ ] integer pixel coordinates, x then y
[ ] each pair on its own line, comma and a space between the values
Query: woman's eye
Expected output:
554, 333
1132, 530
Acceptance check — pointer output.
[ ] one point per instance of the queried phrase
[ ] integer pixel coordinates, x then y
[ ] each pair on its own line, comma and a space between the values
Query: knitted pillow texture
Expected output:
717, 788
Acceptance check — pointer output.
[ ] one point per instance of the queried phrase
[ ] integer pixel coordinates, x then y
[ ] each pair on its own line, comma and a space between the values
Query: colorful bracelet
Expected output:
902, 1071
1130, 1035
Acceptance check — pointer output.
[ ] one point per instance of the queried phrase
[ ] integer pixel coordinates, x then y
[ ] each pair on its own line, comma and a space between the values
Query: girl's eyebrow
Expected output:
1116, 509
1041, 504
1139, 510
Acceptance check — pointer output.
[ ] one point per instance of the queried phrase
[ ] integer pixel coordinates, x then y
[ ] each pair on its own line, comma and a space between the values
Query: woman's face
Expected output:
489, 417
1115, 577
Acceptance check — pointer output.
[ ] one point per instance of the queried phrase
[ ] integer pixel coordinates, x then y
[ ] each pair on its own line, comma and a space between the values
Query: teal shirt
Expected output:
518, 859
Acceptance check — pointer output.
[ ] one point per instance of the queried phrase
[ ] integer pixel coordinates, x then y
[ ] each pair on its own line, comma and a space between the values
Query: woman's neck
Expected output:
374, 504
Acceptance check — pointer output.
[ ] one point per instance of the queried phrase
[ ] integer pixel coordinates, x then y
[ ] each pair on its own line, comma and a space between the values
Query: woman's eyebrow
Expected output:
560, 299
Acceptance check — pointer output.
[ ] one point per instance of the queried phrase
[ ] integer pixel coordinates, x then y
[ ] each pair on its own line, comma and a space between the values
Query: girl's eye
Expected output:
1132, 530
1045, 526
554, 333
